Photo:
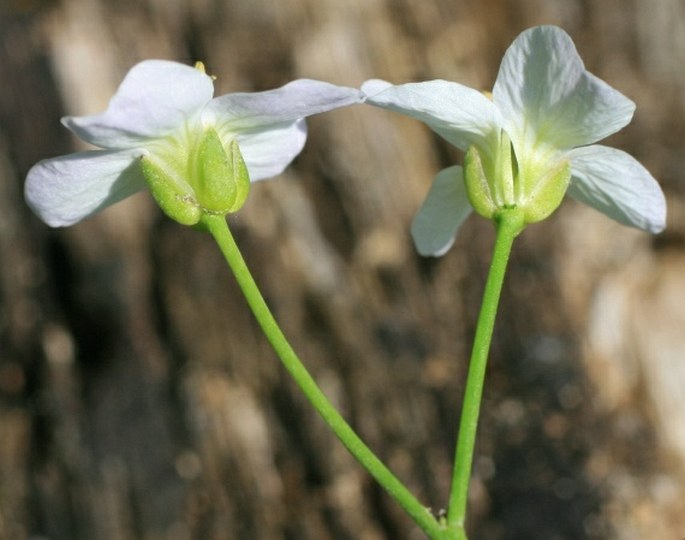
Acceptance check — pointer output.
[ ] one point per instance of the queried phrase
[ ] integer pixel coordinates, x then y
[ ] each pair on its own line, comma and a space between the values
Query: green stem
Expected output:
218, 228
509, 225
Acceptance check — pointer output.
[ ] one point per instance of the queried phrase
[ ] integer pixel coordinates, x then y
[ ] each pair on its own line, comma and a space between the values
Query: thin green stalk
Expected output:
218, 228
509, 224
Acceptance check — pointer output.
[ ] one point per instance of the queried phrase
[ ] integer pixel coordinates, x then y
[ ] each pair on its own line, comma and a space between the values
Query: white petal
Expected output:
374, 86
67, 189
617, 185
462, 115
155, 98
267, 152
444, 210
234, 113
546, 95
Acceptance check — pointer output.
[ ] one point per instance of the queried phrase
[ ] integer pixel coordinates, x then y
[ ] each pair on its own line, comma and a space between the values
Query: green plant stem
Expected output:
218, 228
509, 225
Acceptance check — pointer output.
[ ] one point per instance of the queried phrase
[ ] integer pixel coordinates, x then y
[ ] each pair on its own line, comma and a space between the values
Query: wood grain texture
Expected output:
138, 399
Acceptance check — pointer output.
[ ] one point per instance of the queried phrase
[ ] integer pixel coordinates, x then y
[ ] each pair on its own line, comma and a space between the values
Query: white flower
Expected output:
527, 143
163, 112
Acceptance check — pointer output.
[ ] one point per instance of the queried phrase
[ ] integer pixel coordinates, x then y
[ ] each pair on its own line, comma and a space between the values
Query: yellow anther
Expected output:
200, 66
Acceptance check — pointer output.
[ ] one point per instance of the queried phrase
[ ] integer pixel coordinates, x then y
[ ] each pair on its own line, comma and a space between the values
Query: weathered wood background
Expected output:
139, 401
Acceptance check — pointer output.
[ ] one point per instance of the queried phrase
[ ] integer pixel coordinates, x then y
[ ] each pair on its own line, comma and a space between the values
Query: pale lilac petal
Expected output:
617, 185
461, 115
155, 98
445, 208
545, 94
67, 189
234, 113
374, 86
268, 152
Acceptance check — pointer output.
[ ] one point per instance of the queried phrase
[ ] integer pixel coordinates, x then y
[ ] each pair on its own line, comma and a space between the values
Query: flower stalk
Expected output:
218, 228
509, 224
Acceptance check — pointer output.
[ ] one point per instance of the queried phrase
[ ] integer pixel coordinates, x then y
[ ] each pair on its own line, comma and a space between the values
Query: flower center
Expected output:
498, 179
196, 173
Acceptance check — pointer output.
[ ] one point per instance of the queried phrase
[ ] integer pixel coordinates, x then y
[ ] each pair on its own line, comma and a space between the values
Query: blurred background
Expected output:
139, 401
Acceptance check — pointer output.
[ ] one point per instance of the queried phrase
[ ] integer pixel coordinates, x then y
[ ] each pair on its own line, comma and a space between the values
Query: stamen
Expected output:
200, 66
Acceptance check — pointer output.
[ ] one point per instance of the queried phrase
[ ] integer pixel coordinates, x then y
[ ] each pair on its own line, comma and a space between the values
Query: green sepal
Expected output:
477, 185
502, 183
222, 181
241, 175
548, 192
174, 197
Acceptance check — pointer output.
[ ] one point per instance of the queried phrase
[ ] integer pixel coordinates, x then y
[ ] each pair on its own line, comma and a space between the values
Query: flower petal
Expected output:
155, 98
267, 152
234, 113
375, 86
444, 210
546, 95
617, 185
461, 115
67, 189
